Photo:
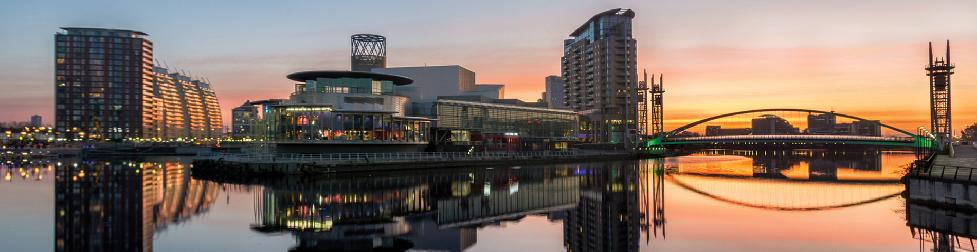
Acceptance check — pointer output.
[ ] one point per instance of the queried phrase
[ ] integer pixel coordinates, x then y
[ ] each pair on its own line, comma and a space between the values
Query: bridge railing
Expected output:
793, 137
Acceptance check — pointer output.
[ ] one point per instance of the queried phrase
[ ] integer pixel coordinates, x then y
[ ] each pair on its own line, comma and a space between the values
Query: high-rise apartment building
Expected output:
106, 87
103, 84
555, 95
599, 68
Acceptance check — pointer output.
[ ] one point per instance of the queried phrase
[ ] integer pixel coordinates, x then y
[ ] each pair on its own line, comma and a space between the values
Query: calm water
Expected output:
724, 200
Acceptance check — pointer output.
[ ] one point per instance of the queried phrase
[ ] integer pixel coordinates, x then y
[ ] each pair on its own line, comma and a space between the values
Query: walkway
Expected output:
961, 167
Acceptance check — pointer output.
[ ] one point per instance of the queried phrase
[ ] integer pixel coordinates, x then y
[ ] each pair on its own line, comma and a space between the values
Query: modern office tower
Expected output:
243, 120
368, 52
186, 107
106, 87
772, 125
102, 84
555, 95
599, 68
939, 71
821, 123
36, 121
491, 91
433, 81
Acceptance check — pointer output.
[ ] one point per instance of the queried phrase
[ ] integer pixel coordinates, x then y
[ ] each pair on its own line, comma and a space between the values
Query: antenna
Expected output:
931, 54
947, 60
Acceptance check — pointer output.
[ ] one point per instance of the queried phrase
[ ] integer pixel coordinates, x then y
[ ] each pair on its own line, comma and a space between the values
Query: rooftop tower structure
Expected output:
369, 51
939, 71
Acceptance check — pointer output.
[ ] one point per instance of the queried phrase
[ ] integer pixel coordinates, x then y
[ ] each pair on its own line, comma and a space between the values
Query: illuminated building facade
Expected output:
186, 107
106, 88
345, 111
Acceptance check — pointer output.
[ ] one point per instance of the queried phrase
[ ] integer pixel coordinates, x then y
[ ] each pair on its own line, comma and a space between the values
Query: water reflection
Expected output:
117, 206
424, 210
607, 206
941, 229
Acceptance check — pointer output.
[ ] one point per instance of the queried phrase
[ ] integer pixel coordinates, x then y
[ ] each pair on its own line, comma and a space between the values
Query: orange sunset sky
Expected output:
862, 58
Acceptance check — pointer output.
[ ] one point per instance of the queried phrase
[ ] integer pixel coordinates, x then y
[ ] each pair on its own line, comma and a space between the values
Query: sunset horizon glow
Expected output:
863, 59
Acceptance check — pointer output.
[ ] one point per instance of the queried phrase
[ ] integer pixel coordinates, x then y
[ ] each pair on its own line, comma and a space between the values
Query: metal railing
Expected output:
336, 158
794, 137
951, 172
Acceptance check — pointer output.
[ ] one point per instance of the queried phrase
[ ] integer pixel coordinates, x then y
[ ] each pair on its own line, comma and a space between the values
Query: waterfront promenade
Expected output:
293, 163
961, 167
946, 181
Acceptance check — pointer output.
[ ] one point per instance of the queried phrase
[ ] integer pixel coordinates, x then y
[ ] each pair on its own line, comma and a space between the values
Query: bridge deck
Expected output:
794, 137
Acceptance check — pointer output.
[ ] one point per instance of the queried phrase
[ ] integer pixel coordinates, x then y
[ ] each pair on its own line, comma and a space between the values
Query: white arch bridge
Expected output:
657, 144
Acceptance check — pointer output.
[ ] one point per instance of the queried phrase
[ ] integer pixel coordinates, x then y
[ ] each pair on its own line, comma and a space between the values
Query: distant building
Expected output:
432, 81
821, 123
866, 128
243, 120
772, 125
106, 87
555, 95
599, 68
491, 91
714, 130
36, 121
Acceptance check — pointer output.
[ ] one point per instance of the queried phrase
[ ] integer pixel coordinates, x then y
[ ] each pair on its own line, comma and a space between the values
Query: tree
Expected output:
969, 133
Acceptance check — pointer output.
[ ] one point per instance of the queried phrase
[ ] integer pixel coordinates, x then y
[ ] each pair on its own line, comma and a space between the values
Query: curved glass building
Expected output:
345, 111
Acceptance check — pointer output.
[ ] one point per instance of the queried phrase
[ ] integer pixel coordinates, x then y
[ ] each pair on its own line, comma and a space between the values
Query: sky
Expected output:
862, 58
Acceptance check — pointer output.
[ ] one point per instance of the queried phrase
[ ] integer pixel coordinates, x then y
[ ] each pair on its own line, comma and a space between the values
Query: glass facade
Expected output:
348, 86
497, 126
319, 123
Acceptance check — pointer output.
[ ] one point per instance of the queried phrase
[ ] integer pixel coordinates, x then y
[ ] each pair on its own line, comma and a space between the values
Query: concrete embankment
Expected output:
946, 181
230, 165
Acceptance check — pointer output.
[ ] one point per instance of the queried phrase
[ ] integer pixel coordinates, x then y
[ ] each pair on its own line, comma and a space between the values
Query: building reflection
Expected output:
602, 206
444, 210
941, 229
814, 165
118, 206
606, 218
